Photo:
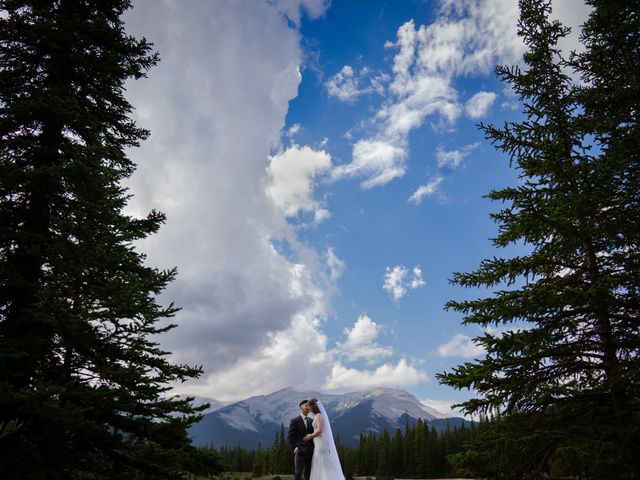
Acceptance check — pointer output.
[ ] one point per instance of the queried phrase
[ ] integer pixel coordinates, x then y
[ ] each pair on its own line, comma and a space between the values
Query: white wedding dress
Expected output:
325, 464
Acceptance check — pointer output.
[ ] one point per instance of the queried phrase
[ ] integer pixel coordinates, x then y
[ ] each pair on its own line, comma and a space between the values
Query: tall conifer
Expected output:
570, 307
79, 370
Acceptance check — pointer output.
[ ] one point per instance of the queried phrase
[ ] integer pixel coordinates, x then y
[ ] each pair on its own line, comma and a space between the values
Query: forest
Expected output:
417, 451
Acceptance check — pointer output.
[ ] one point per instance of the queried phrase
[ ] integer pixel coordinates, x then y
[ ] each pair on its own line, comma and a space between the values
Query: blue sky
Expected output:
322, 173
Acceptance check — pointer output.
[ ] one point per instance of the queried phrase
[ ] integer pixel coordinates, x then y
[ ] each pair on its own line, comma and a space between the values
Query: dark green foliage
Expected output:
384, 453
280, 458
238, 459
418, 452
376, 455
79, 372
260, 464
563, 382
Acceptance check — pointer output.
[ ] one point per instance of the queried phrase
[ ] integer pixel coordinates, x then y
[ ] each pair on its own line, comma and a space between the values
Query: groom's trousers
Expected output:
302, 466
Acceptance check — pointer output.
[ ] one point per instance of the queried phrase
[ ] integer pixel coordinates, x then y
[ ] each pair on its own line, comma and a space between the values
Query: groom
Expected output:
302, 451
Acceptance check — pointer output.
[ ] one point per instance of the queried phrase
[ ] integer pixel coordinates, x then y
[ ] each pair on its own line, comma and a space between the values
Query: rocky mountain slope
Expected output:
257, 419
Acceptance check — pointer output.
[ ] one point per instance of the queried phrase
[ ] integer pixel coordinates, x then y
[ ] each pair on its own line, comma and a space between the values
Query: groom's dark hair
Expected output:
303, 402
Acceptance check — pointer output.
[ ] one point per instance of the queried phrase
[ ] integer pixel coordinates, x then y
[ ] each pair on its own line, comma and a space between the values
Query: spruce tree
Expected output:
408, 457
396, 459
418, 449
80, 372
562, 380
383, 469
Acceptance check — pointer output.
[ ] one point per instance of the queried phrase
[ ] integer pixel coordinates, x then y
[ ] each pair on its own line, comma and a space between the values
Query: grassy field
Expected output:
247, 476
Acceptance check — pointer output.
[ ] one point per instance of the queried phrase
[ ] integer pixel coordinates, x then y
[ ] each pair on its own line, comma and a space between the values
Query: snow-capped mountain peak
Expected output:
257, 419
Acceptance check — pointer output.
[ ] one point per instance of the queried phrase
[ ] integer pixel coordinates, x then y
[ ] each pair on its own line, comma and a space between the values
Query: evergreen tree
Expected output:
259, 466
396, 460
418, 449
368, 458
237, 461
570, 307
79, 371
429, 450
361, 456
408, 463
285, 459
383, 469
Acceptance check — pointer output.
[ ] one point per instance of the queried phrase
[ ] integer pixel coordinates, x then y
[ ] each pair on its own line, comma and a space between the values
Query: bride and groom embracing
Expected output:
310, 438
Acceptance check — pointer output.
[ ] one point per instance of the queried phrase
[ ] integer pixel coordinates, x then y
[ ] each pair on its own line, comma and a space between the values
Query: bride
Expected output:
325, 464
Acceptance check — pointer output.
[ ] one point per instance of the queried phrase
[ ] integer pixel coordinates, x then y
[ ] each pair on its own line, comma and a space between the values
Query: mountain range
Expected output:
256, 420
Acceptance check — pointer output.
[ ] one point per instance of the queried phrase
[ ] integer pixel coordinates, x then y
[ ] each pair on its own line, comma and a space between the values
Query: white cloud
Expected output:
416, 279
247, 309
453, 158
291, 356
291, 180
343, 85
347, 85
402, 374
460, 346
364, 331
251, 316
378, 83
571, 13
426, 190
510, 98
361, 342
335, 264
293, 130
478, 105
487, 33
398, 281
293, 9
378, 160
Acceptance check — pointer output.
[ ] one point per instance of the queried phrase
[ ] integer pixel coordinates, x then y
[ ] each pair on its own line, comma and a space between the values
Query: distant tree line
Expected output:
418, 451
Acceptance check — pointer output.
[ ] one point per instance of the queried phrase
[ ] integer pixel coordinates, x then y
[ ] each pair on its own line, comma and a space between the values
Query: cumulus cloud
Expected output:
361, 341
453, 158
291, 180
426, 190
214, 121
247, 308
399, 280
401, 374
460, 346
478, 105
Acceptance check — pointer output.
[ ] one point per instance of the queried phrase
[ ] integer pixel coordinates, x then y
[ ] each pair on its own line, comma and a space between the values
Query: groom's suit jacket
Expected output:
297, 431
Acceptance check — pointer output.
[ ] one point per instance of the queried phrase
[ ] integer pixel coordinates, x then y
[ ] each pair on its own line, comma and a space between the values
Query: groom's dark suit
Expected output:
297, 431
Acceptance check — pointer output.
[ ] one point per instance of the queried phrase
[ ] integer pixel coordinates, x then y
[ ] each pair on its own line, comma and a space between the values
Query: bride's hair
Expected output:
313, 405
